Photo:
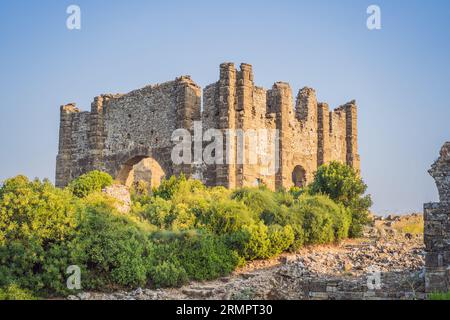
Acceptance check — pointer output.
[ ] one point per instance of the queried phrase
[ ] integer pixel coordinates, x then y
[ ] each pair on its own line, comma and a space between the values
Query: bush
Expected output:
281, 238
258, 200
257, 243
343, 185
167, 274
291, 217
157, 212
318, 226
182, 231
169, 187
207, 257
34, 211
111, 249
37, 221
93, 181
166, 215
296, 192
199, 256
225, 217
284, 198
323, 220
13, 292
340, 216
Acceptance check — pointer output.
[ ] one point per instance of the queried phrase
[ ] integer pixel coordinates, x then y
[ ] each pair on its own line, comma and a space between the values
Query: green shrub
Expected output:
340, 216
296, 192
257, 243
182, 231
37, 221
321, 219
284, 198
93, 181
13, 292
200, 256
281, 238
157, 212
181, 217
140, 189
168, 215
168, 187
34, 211
225, 217
167, 274
111, 249
176, 185
318, 226
291, 217
207, 257
343, 185
258, 200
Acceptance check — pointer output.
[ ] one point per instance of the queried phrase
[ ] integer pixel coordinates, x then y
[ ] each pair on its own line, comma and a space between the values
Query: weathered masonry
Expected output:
129, 135
437, 227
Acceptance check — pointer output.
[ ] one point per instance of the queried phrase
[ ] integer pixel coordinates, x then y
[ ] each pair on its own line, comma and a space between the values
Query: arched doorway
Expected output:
141, 168
299, 177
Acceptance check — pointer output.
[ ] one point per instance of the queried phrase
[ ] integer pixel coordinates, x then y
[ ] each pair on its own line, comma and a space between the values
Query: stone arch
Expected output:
151, 165
299, 176
141, 168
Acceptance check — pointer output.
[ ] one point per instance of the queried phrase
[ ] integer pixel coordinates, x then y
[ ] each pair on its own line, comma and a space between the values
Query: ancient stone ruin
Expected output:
437, 227
130, 135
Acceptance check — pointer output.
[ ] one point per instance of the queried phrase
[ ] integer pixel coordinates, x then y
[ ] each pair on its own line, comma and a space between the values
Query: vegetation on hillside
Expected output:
180, 231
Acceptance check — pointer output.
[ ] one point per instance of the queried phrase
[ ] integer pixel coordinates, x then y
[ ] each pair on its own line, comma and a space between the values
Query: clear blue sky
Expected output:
399, 75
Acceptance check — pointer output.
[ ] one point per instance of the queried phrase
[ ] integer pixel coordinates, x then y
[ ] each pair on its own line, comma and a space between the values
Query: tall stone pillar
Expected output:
188, 111
63, 159
244, 95
281, 102
437, 227
323, 134
351, 136
226, 172
307, 113
96, 134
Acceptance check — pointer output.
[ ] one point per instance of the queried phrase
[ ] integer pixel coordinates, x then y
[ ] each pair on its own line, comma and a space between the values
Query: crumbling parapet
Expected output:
437, 227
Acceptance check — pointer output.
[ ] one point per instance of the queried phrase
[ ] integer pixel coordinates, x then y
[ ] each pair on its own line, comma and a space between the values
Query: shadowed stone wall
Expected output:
437, 227
122, 130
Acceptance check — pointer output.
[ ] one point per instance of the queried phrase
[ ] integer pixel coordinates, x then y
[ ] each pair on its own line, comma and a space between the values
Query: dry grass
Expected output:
410, 224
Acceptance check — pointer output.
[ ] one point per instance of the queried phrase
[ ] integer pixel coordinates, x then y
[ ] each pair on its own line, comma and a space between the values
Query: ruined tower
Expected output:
123, 130
437, 227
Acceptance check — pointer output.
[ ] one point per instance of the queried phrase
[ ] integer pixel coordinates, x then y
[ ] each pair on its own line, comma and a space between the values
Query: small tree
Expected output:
343, 184
37, 221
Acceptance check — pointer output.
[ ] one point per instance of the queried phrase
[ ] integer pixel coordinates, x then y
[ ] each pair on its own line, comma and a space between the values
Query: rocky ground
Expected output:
386, 264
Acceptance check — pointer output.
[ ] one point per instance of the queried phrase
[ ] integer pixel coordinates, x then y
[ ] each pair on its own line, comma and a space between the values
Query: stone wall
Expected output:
395, 286
437, 227
122, 130
309, 134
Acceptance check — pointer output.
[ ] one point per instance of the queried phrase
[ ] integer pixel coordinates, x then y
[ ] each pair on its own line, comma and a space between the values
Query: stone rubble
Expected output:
122, 196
